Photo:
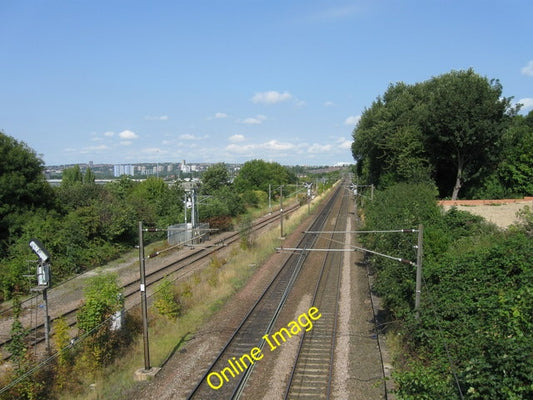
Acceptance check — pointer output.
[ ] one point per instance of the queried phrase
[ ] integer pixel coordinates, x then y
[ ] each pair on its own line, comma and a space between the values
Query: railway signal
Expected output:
43, 282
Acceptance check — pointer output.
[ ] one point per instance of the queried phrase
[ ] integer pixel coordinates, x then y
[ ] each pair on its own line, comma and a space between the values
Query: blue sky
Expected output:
229, 81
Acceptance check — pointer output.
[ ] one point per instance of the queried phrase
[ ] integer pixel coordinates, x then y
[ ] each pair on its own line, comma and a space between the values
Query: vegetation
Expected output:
83, 224
454, 130
474, 335
102, 305
453, 134
179, 310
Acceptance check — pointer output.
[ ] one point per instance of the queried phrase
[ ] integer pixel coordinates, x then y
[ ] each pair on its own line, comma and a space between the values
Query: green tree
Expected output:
515, 172
388, 140
465, 122
215, 178
258, 174
23, 187
72, 176
88, 177
448, 128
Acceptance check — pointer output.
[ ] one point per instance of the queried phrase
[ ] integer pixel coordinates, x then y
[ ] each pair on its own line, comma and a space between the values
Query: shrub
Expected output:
166, 302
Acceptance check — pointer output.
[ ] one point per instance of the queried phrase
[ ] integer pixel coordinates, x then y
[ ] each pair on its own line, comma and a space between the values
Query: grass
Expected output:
201, 296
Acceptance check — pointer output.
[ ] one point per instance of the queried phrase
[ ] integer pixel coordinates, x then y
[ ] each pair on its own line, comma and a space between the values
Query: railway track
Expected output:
312, 373
249, 336
190, 260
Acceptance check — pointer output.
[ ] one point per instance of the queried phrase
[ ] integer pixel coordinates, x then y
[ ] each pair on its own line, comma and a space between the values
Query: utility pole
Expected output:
269, 198
281, 210
185, 207
144, 308
193, 213
419, 255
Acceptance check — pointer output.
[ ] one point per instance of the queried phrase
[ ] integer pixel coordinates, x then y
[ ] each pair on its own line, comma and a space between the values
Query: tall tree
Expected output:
388, 141
88, 177
215, 178
258, 174
448, 127
72, 176
465, 123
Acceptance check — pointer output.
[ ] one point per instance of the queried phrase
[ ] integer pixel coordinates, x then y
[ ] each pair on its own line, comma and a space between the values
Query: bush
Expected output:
475, 317
103, 298
166, 302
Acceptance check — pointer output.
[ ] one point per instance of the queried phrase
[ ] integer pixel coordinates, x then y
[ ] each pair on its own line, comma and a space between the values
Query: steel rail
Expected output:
324, 303
258, 321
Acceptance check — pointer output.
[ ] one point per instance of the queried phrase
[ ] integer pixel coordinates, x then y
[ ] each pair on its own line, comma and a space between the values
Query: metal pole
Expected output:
419, 255
309, 201
46, 320
144, 308
185, 207
193, 215
281, 209
270, 198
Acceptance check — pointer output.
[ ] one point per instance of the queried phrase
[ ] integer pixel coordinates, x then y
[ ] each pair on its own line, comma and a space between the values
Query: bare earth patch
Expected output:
500, 212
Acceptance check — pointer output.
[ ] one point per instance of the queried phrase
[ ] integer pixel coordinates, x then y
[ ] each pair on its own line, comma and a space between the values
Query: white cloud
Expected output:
218, 115
188, 136
271, 145
127, 134
329, 104
257, 120
352, 120
156, 117
275, 145
126, 143
527, 103
319, 148
109, 133
271, 97
528, 69
236, 148
343, 143
236, 138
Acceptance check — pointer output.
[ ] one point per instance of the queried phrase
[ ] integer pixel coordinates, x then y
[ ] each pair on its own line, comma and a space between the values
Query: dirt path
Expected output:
500, 212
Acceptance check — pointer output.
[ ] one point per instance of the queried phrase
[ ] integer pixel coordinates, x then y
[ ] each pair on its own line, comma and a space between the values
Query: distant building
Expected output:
123, 169
184, 167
